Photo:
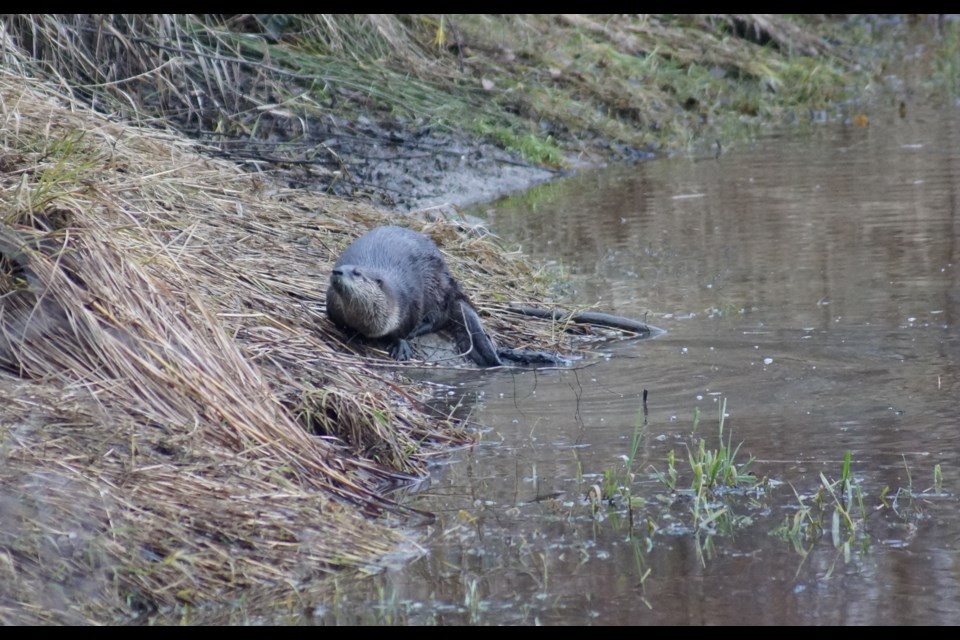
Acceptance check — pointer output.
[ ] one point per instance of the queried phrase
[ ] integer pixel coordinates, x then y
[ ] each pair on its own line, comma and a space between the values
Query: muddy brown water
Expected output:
811, 281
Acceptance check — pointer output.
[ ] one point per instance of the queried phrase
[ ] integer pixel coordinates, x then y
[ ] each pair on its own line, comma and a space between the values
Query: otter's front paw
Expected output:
401, 350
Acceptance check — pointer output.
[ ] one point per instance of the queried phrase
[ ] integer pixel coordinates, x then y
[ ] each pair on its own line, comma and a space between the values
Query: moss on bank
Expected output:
325, 102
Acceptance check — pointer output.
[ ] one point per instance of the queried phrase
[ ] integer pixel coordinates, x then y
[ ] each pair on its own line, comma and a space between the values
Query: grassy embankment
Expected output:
181, 424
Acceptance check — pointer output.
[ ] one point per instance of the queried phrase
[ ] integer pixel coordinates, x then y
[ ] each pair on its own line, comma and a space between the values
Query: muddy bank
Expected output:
401, 168
414, 110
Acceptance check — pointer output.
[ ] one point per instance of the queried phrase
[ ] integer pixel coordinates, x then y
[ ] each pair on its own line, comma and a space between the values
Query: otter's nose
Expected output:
346, 269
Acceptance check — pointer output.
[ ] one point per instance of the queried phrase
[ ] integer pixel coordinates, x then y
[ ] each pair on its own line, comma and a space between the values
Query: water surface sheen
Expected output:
813, 282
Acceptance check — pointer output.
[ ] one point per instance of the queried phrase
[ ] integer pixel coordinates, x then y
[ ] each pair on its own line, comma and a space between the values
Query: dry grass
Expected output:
180, 424
185, 423
275, 89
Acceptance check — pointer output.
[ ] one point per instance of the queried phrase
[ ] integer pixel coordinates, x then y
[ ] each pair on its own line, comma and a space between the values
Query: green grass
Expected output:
532, 147
836, 511
722, 497
545, 86
947, 58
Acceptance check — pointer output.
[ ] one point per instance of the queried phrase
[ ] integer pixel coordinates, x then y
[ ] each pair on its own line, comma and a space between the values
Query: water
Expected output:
813, 282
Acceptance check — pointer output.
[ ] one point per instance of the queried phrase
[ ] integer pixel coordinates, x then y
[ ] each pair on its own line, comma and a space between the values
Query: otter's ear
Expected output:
379, 282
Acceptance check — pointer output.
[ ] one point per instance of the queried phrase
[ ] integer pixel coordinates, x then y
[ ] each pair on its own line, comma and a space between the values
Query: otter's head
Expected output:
367, 302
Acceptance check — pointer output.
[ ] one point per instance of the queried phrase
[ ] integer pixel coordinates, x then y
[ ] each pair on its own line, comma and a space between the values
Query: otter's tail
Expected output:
472, 339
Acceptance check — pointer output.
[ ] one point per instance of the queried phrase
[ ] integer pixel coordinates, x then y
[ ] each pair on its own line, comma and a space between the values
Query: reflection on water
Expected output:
814, 283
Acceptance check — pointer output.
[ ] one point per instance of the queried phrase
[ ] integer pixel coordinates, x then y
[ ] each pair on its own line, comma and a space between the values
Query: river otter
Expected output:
392, 283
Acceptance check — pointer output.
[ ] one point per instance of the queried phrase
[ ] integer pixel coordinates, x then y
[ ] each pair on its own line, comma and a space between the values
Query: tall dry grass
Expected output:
180, 422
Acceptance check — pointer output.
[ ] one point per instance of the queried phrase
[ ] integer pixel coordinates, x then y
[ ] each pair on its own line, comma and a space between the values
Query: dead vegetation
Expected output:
180, 420
180, 423
333, 102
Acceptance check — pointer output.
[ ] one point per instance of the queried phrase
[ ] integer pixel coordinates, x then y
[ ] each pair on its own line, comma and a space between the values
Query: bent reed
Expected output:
188, 425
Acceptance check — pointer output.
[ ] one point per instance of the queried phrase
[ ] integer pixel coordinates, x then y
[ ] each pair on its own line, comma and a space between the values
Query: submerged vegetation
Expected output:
182, 431
664, 497
723, 497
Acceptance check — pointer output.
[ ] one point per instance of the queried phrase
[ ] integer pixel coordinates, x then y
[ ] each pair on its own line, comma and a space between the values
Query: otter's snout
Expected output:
346, 270
343, 275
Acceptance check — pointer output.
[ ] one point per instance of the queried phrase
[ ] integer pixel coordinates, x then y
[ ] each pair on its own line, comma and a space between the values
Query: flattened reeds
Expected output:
179, 422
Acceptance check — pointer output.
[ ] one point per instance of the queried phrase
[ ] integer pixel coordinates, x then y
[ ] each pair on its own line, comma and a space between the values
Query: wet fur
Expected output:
392, 283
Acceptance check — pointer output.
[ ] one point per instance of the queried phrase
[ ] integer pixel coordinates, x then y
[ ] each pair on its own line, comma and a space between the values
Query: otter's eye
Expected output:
379, 281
